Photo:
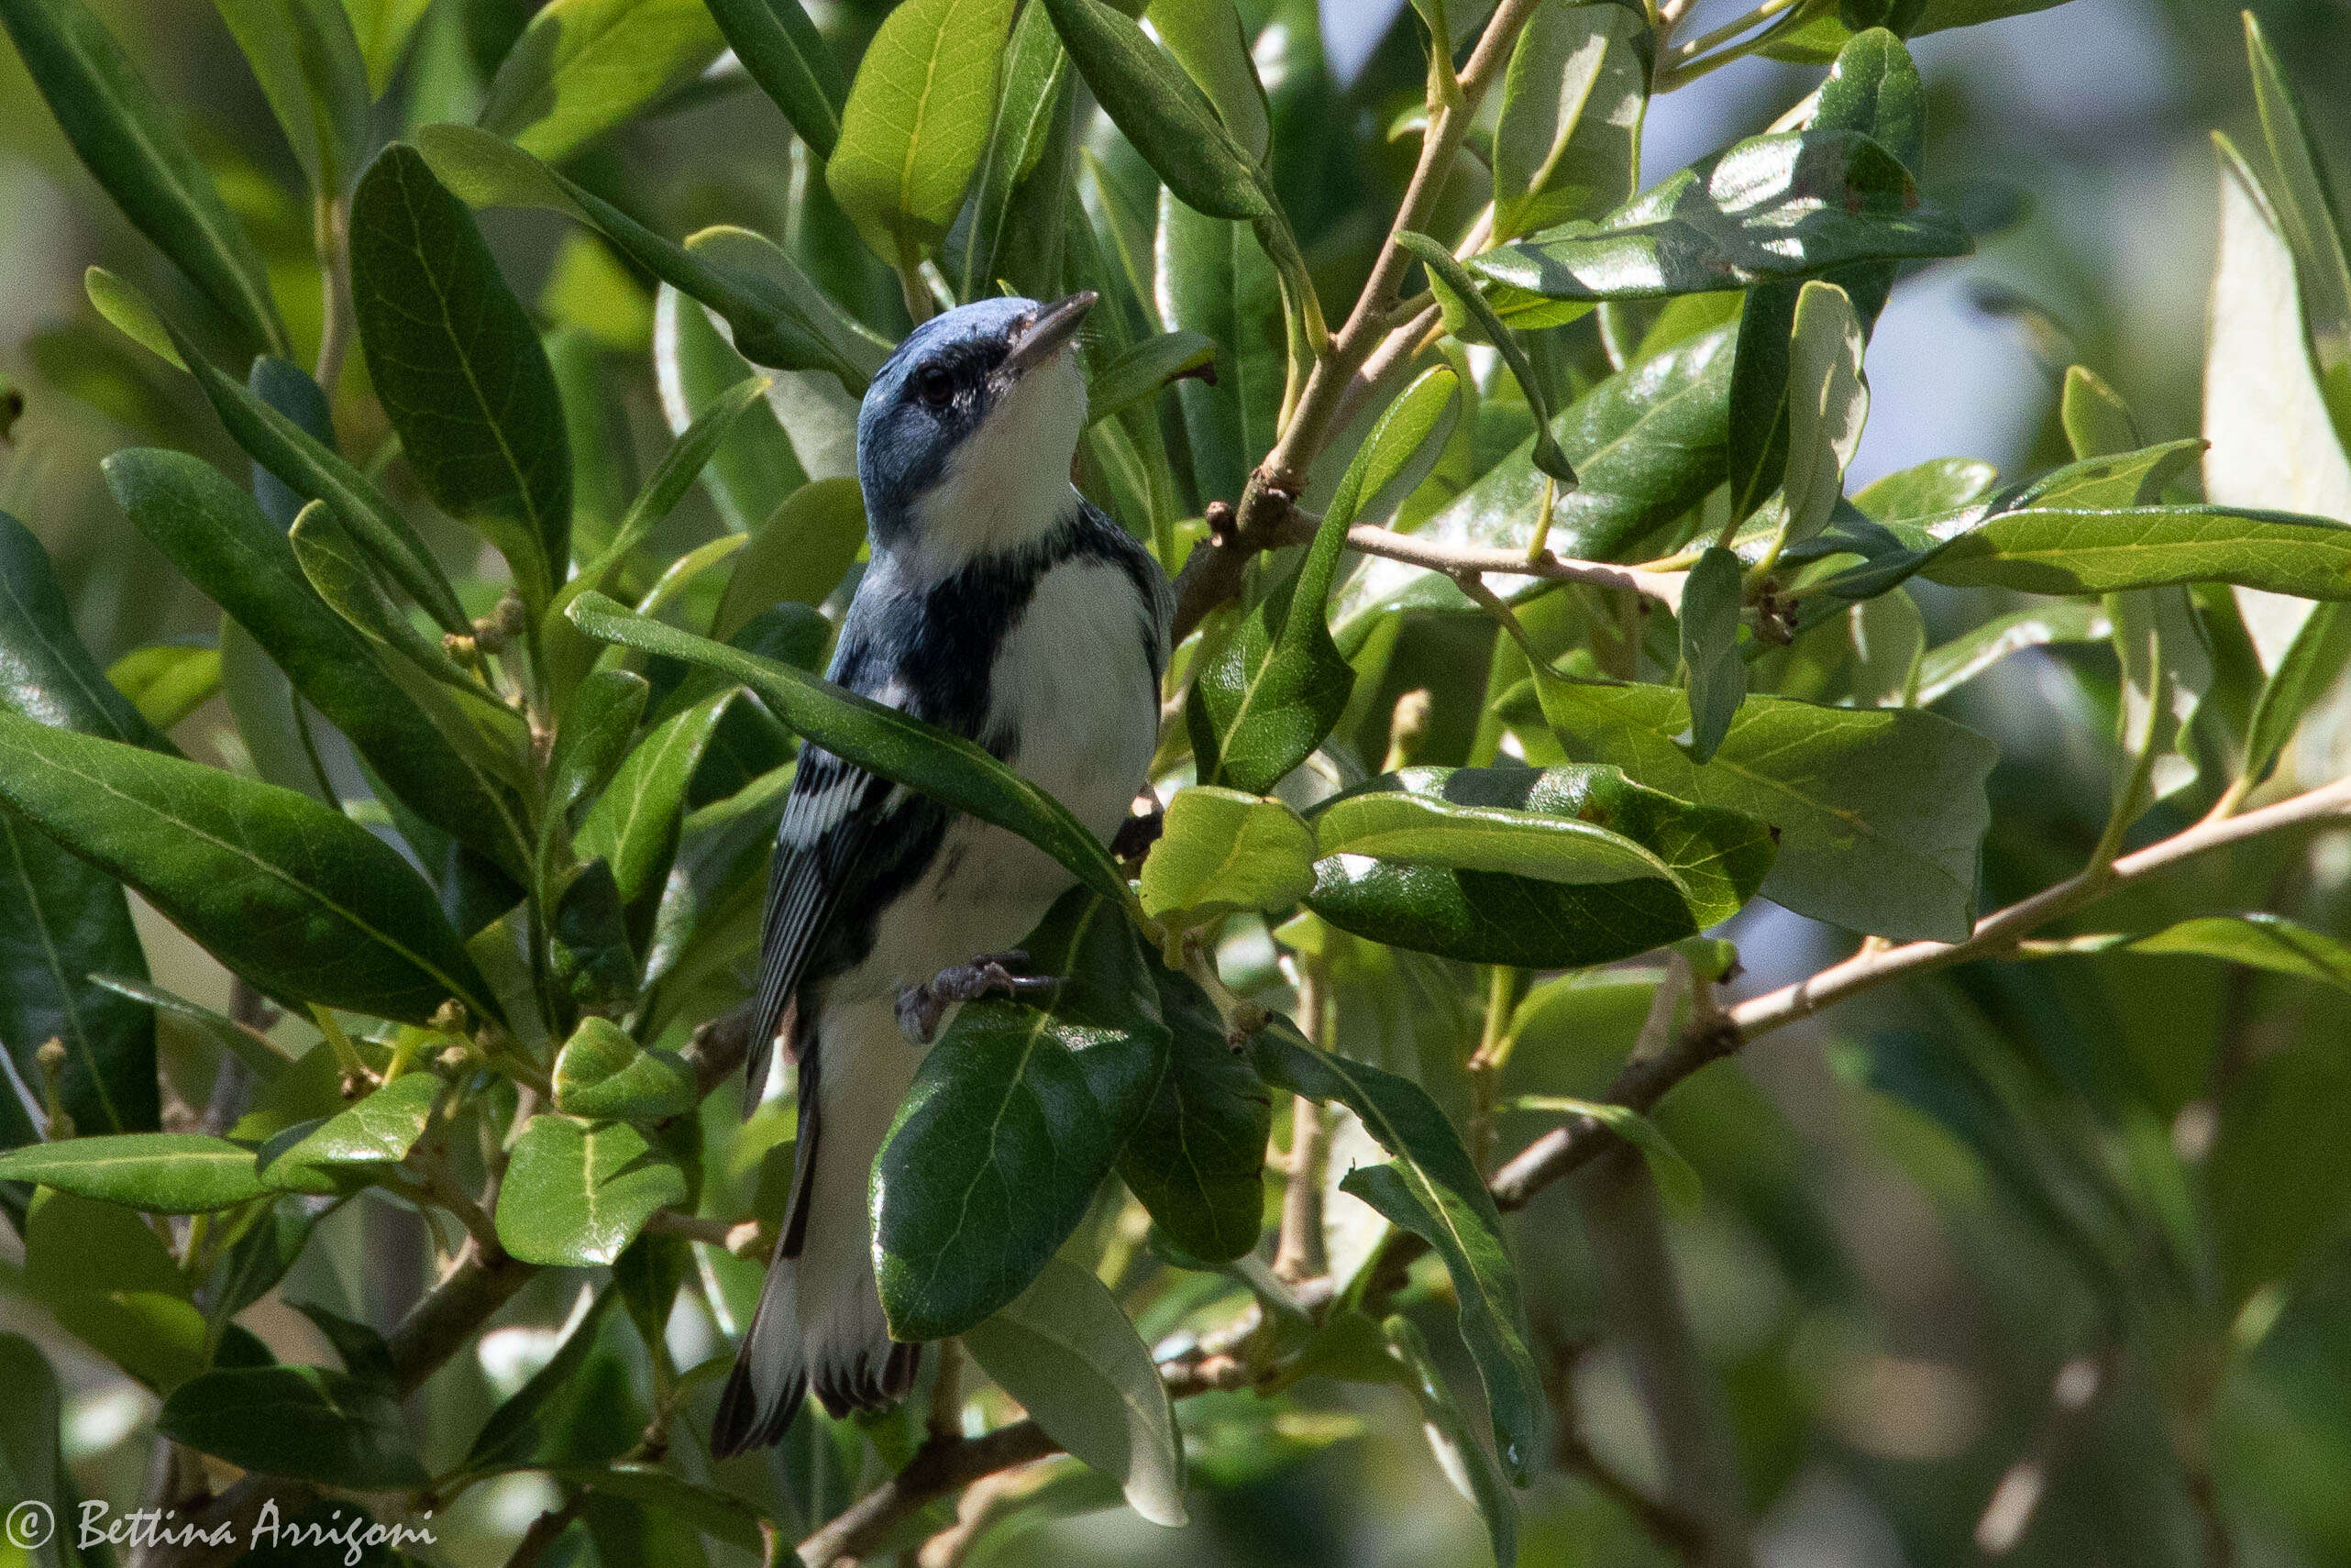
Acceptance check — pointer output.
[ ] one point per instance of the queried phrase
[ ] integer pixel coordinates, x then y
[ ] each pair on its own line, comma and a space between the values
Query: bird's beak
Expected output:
1047, 335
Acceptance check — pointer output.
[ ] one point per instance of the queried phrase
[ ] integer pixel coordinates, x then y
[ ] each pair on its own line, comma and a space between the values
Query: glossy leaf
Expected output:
377, 1129
634, 823
297, 898
1209, 40
582, 67
2053, 550
1715, 674
918, 121
788, 58
1462, 1458
877, 739
1402, 817
1960, 660
128, 142
1220, 851
1465, 308
2275, 442
1213, 278
1773, 207
1015, 1118
779, 318
2305, 672
1708, 862
216, 536
2311, 220
578, 1192
1137, 374
798, 556
1878, 813
602, 1072
2258, 940
1828, 400
1197, 1159
1265, 699
459, 368
305, 1422
1568, 143
1029, 144
45, 672
1066, 1352
307, 61
159, 1173
593, 738
1160, 109
1431, 1187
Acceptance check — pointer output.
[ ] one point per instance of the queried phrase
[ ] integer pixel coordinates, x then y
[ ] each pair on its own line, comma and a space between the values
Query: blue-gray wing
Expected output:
828, 825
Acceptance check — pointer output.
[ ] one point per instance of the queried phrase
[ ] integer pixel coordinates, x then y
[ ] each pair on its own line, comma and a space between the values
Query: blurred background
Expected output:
1892, 1316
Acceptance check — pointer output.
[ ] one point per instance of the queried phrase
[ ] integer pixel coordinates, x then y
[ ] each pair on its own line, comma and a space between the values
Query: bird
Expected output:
999, 604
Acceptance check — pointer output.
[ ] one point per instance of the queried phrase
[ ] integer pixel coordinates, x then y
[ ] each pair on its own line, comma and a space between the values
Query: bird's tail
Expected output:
820, 1325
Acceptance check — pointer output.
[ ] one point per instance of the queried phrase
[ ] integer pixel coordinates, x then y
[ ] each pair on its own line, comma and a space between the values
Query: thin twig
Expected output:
2079, 1384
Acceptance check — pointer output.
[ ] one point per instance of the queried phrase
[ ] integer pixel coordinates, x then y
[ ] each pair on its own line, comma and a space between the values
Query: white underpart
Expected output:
1008, 481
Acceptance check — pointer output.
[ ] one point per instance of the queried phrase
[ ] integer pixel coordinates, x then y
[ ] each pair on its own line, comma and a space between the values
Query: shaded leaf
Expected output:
1462, 1458
1197, 1159
799, 555
602, 1072
785, 54
582, 67
1712, 598
1568, 143
306, 1422
1170, 121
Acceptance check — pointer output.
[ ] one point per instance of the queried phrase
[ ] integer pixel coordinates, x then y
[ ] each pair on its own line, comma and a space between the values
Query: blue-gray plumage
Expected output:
998, 604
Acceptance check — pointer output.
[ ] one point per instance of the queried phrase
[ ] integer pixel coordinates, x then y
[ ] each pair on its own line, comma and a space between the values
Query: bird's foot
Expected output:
920, 1008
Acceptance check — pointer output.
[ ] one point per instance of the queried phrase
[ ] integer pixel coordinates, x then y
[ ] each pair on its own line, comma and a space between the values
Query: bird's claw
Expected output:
920, 1008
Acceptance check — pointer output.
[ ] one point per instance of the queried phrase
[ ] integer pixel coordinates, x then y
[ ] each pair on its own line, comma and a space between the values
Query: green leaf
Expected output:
379, 1129
1964, 657
110, 1281
1647, 444
1464, 305
798, 556
166, 681
307, 61
312, 472
1568, 143
1263, 700
634, 824
779, 317
45, 672
2276, 441
459, 368
602, 1072
1432, 1188
593, 738
296, 898
159, 1173
917, 122
1221, 851
2107, 550
1462, 1458
1138, 373
306, 1422
127, 142
1197, 1160
1208, 40
582, 67
2258, 940
1709, 862
1015, 1118
578, 1192
1878, 813
1033, 123
1828, 400
1712, 598
1065, 1351
216, 536
1215, 278
880, 740
518, 1428
2305, 672
383, 29
1773, 207
2310, 219
1676, 1179
783, 52
663, 1494
1159, 108
31, 1436
1399, 817
261, 1058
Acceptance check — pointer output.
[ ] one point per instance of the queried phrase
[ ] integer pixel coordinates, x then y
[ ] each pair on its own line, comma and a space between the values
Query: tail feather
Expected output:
820, 1324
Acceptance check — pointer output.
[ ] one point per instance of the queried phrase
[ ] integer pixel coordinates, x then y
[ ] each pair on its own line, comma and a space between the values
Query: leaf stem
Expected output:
331, 236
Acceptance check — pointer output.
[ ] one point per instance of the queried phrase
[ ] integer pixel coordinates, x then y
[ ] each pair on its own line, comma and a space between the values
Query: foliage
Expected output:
1528, 635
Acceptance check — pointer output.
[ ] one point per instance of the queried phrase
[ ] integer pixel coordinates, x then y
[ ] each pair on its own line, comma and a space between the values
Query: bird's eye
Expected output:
937, 387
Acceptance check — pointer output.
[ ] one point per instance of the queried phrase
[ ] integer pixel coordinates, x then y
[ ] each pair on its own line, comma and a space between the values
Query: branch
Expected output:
1644, 1083
1469, 560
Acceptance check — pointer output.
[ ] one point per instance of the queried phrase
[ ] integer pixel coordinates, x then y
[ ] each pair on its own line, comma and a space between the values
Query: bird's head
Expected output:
966, 436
